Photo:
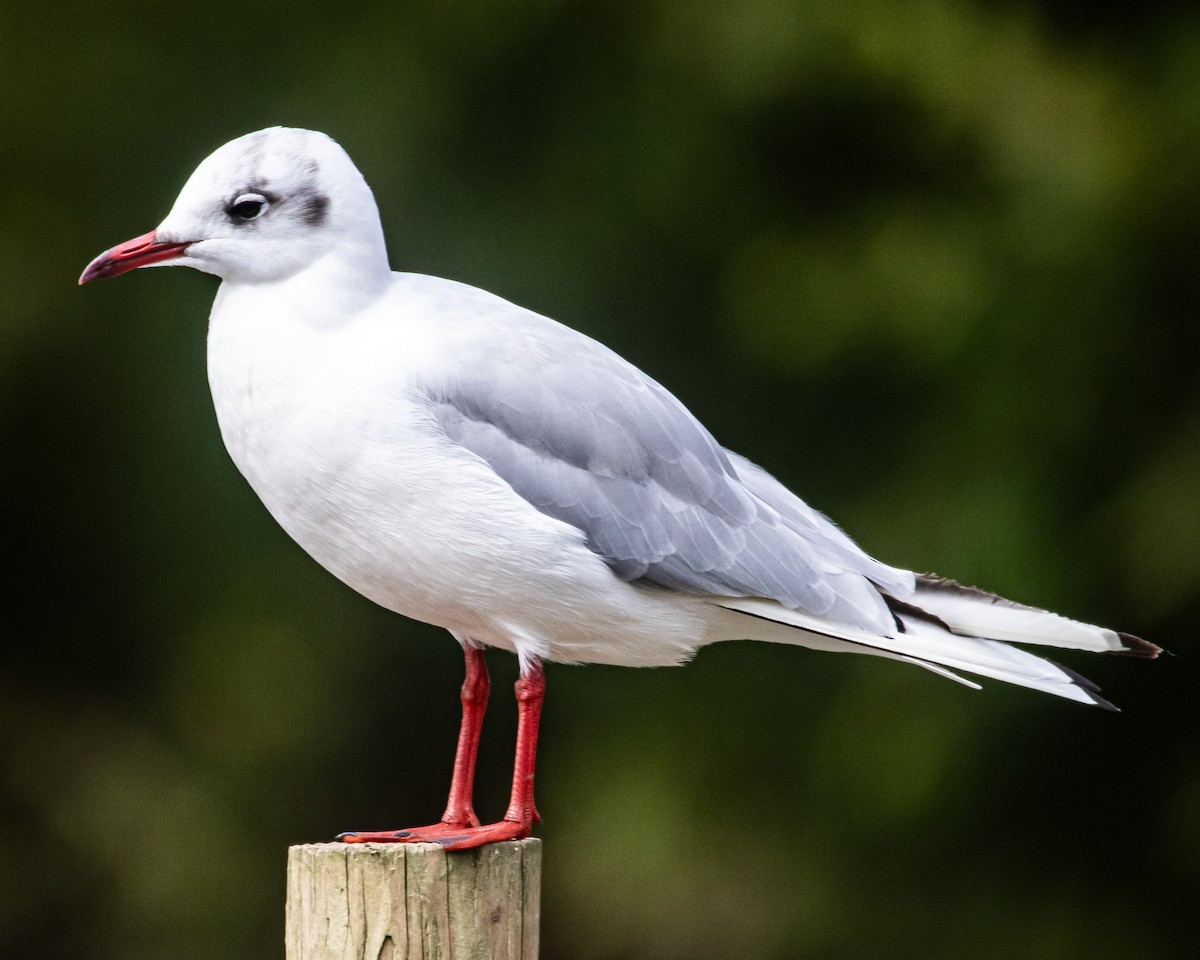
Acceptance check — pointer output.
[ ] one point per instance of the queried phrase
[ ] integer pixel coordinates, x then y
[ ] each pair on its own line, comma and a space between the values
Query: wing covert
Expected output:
590, 440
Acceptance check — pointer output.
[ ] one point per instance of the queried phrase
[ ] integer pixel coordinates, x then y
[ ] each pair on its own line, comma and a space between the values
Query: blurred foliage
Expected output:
933, 262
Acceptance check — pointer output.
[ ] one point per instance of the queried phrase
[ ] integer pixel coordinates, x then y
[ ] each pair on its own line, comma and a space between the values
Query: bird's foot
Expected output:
427, 834
452, 836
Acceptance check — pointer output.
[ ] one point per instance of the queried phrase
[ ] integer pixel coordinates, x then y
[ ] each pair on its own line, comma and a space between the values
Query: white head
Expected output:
261, 209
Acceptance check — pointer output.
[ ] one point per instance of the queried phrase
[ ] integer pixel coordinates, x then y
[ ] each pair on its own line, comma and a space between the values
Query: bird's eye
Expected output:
247, 207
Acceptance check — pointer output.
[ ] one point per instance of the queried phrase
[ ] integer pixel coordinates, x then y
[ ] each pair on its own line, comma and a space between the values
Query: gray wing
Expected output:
589, 439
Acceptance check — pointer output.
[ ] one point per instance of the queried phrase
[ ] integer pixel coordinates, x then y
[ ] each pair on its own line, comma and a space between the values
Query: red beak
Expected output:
138, 252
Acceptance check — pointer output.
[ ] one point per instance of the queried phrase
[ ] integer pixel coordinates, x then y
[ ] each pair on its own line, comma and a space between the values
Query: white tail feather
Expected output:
978, 614
923, 642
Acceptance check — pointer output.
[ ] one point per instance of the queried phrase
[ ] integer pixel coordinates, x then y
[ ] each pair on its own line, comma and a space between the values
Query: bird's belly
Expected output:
367, 486
425, 529
367, 516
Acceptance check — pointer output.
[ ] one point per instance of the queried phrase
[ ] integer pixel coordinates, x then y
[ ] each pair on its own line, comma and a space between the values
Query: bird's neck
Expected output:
327, 293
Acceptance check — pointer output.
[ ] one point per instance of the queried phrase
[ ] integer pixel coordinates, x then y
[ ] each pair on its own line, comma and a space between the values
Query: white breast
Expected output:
329, 428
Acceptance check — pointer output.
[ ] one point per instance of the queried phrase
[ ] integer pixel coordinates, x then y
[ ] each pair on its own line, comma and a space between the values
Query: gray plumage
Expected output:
589, 439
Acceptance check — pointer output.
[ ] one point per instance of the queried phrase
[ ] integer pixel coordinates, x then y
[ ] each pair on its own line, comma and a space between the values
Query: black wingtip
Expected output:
1087, 686
1103, 704
1137, 647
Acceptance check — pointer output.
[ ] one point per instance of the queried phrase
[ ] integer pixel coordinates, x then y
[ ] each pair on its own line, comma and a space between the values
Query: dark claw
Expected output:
355, 833
446, 841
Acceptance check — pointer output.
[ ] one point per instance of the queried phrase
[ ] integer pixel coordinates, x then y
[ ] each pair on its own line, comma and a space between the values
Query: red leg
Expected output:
530, 690
460, 811
519, 819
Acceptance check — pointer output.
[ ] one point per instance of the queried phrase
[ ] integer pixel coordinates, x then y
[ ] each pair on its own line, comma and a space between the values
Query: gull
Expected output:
472, 464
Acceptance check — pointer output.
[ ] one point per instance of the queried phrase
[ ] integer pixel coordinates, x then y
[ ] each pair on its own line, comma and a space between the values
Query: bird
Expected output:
472, 464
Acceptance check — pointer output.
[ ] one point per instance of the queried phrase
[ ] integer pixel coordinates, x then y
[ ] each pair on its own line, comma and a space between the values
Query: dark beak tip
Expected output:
138, 252
95, 270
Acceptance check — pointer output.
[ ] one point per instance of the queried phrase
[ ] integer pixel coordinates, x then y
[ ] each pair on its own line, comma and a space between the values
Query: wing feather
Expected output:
590, 440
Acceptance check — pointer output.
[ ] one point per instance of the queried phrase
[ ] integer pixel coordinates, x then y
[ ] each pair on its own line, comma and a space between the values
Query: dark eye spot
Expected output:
247, 207
315, 209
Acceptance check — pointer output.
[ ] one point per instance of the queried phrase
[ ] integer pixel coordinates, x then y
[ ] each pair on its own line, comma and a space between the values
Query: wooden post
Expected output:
400, 901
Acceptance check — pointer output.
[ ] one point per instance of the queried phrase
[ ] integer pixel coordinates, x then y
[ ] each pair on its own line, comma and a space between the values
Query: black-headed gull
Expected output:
471, 464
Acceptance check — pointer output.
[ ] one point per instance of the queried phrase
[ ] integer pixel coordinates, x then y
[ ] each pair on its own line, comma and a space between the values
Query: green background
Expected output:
932, 262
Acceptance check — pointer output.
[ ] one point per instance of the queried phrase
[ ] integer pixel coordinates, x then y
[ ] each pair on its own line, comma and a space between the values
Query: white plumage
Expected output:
466, 462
